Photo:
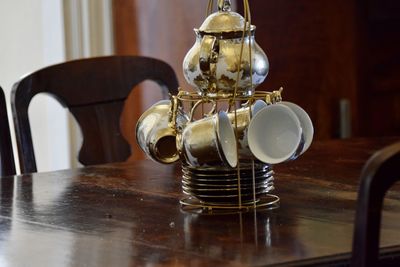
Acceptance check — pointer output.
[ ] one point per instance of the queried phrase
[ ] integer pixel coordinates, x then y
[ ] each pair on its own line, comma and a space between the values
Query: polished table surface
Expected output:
128, 214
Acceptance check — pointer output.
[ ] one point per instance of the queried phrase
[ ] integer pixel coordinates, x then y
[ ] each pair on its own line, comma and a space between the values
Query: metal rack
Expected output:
223, 188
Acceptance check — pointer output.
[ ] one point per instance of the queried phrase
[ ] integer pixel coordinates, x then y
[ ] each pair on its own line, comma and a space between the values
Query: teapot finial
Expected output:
224, 5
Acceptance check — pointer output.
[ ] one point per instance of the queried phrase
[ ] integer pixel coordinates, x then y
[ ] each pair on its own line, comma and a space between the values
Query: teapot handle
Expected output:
208, 55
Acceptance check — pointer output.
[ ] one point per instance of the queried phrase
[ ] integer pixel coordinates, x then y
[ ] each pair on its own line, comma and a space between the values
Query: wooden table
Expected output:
129, 214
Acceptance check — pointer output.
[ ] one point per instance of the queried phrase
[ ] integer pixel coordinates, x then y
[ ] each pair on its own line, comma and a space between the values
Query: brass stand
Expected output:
223, 188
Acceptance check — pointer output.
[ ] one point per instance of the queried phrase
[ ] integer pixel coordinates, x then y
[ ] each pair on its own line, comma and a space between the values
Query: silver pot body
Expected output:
213, 64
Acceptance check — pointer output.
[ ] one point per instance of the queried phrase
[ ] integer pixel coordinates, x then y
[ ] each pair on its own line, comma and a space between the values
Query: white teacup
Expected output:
209, 142
274, 134
305, 123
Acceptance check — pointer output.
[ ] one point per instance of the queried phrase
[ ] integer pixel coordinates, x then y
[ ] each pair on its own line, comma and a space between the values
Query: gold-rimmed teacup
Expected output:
155, 134
209, 142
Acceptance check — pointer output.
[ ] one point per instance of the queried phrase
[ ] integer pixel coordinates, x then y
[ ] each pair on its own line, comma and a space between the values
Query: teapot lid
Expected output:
224, 20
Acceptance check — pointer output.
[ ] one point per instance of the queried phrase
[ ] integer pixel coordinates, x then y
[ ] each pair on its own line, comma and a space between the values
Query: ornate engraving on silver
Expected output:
209, 142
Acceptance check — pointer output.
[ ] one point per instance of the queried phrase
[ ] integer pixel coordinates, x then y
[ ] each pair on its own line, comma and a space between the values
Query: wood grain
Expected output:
129, 214
325, 51
311, 46
161, 29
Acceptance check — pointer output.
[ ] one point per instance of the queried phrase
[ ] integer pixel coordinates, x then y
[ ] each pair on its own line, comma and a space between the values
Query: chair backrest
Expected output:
378, 175
7, 165
94, 90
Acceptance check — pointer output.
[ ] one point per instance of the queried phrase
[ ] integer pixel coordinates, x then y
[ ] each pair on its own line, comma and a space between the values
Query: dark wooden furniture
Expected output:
125, 214
7, 165
323, 52
378, 175
94, 90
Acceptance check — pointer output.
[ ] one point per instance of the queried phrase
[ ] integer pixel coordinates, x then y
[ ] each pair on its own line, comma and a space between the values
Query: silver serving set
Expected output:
226, 134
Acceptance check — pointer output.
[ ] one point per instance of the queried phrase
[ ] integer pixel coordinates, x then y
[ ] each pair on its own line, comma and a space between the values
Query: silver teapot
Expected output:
213, 63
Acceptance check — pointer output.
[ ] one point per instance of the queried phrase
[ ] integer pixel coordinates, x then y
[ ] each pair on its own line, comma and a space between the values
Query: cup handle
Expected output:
208, 55
197, 104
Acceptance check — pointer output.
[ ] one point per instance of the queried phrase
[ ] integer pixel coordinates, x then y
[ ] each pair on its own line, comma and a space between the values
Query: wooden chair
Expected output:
94, 90
378, 175
7, 165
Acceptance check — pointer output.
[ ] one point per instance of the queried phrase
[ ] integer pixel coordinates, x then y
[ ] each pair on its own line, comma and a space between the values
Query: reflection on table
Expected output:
129, 214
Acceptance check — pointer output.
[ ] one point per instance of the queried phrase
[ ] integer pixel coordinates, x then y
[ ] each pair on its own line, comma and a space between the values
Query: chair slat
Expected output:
7, 165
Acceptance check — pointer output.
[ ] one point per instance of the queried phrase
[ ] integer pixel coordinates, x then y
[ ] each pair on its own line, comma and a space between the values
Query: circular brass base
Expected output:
264, 202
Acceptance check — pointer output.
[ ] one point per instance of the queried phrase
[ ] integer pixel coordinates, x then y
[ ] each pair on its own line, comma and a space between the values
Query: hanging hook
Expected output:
209, 7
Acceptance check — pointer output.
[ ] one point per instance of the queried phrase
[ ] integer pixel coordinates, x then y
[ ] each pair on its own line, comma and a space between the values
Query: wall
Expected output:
312, 49
31, 38
325, 51
38, 33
